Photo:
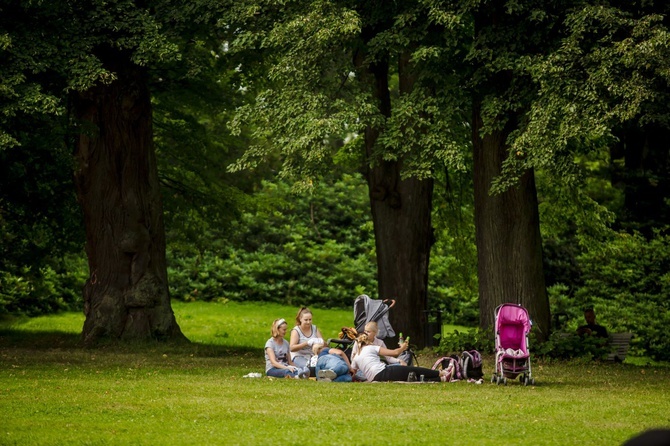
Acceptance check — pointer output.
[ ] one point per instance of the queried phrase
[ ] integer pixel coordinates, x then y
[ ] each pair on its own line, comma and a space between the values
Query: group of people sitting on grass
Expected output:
306, 354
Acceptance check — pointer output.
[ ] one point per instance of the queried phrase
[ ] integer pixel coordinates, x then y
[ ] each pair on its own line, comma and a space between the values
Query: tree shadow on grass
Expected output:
38, 340
48, 340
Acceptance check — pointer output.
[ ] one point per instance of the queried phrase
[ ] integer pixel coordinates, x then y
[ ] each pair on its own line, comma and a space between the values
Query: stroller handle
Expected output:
391, 305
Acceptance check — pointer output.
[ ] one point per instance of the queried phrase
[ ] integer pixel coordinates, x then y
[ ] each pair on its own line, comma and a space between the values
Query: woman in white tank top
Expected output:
303, 336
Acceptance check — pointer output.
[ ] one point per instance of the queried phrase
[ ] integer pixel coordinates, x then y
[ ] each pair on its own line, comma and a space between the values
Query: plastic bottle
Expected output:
400, 339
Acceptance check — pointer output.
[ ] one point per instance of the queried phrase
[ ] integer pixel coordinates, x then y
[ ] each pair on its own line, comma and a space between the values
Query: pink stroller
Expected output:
512, 326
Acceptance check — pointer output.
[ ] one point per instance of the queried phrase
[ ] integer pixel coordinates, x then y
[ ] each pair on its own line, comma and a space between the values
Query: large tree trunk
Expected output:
509, 244
401, 214
126, 296
401, 211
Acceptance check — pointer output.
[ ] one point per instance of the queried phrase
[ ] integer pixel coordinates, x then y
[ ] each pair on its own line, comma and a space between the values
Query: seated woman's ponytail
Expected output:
361, 341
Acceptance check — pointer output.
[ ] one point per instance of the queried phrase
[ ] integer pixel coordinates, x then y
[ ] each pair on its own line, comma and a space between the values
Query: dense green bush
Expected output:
50, 289
309, 278
452, 277
315, 248
562, 346
475, 339
41, 232
448, 289
627, 281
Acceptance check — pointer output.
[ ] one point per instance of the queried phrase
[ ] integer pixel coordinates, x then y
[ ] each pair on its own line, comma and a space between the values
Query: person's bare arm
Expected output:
395, 352
341, 354
391, 359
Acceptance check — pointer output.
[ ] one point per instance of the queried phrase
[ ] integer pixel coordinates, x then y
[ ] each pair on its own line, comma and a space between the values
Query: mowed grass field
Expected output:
52, 392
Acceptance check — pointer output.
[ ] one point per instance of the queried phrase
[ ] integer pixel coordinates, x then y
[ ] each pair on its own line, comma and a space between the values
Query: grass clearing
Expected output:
53, 392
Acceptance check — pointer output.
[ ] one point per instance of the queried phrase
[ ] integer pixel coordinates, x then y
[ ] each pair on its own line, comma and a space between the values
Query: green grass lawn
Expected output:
54, 392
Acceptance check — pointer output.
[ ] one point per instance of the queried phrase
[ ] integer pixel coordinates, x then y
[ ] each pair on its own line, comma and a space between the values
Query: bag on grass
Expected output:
471, 365
452, 364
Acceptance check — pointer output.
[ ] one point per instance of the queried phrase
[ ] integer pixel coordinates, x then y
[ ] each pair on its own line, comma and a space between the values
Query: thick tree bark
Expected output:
401, 214
126, 296
507, 225
509, 244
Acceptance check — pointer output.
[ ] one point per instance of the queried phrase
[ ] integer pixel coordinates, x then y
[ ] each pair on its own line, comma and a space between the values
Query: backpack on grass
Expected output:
452, 364
466, 366
471, 365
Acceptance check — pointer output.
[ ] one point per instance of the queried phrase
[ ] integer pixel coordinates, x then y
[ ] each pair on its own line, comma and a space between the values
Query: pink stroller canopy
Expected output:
512, 314
512, 325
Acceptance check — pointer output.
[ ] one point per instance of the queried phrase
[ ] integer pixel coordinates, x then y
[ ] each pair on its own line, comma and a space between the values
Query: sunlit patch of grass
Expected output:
247, 324
232, 324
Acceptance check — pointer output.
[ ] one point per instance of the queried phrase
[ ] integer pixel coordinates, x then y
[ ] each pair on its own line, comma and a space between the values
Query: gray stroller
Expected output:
367, 310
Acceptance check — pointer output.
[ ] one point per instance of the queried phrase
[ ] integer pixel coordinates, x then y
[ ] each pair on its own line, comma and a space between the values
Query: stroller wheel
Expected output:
505, 381
532, 381
525, 381
493, 378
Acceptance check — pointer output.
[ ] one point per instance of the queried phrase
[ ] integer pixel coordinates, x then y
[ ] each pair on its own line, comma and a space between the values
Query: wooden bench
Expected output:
620, 343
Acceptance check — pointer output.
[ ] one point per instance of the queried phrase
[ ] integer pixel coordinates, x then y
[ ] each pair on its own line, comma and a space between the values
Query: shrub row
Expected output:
47, 290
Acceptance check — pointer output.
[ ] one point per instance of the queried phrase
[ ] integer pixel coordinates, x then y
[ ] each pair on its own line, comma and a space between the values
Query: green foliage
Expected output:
560, 346
609, 66
452, 280
320, 96
295, 249
576, 215
452, 286
13, 289
625, 279
474, 339
627, 282
47, 290
39, 215
41, 264
563, 306
194, 147
311, 100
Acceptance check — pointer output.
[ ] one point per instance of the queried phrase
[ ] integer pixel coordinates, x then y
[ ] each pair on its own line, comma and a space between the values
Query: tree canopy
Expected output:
551, 117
